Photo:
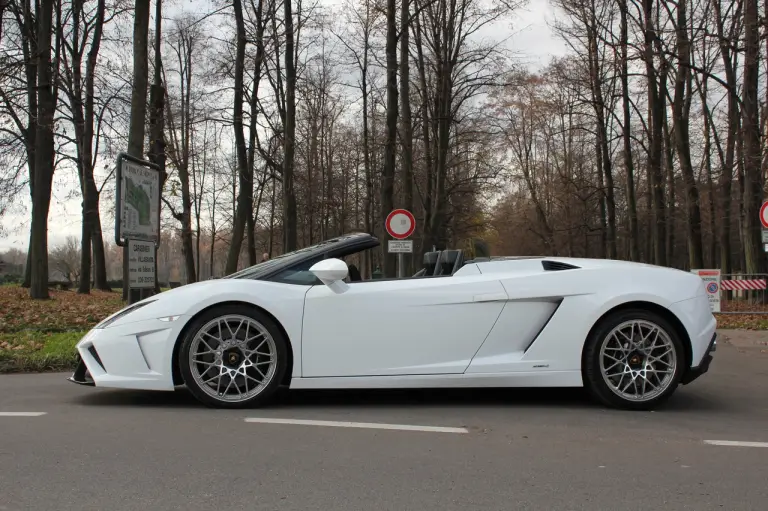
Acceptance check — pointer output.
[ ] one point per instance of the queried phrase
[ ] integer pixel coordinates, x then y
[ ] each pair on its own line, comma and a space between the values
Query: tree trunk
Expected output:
290, 230
29, 48
753, 179
680, 111
634, 253
140, 79
368, 202
138, 101
81, 97
260, 25
245, 193
44, 154
602, 140
726, 172
388, 171
405, 121
425, 132
100, 280
657, 110
601, 195
156, 152
185, 61
671, 213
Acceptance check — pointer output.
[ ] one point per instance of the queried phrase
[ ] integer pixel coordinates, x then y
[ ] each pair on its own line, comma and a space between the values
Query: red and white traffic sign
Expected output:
400, 224
764, 215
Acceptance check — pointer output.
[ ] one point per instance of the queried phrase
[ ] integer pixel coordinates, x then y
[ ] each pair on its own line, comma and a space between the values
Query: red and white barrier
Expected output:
745, 284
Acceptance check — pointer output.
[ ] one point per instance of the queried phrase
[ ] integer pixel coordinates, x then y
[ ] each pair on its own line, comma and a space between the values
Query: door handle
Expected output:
490, 297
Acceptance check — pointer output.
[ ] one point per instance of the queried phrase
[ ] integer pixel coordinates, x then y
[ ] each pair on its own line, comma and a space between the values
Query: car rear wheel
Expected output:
634, 360
233, 357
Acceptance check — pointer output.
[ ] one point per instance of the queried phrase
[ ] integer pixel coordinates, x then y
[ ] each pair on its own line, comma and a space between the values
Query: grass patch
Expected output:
34, 351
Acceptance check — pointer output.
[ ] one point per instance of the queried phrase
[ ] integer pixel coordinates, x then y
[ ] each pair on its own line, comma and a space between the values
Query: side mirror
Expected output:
330, 270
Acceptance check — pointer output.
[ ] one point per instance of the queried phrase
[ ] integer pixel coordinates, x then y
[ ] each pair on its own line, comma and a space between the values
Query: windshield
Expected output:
255, 271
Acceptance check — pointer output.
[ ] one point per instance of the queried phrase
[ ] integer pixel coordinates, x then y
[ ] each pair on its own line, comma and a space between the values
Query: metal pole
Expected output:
400, 265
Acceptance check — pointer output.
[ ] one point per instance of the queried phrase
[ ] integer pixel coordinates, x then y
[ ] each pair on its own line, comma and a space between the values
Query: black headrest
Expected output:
430, 262
449, 256
448, 260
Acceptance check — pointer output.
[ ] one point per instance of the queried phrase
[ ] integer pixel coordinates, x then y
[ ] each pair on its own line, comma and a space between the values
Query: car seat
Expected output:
354, 274
430, 262
449, 262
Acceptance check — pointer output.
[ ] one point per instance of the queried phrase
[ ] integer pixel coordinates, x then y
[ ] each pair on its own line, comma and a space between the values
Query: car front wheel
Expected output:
634, 360
233, 357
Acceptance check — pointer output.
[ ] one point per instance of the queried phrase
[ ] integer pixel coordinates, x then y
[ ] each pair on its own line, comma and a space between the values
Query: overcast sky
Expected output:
532, 39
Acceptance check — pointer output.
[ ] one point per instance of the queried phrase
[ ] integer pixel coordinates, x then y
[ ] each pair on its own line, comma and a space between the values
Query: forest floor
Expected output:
40, 335
746, 315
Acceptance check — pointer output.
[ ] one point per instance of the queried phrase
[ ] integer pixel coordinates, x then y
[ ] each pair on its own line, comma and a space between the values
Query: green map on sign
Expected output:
137, 197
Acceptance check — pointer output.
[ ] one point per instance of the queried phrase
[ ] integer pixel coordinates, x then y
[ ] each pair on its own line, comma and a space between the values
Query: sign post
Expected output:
764, 222
400, 224
711, 280
137, 223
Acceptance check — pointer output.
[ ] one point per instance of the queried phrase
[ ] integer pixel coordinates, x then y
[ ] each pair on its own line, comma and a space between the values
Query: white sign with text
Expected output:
400, 246
141, 264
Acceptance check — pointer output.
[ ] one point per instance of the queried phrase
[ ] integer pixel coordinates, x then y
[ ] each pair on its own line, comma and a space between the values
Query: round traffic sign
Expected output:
764, 214
400, 224
712, 287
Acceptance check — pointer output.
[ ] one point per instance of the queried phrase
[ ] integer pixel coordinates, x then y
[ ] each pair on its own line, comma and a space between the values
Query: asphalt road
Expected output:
112, 450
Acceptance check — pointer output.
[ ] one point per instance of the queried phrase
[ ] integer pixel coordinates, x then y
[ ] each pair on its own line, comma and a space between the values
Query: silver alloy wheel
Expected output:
638, 360
233, 358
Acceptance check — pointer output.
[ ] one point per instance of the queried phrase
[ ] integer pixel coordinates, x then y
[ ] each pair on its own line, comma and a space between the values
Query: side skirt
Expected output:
527, 379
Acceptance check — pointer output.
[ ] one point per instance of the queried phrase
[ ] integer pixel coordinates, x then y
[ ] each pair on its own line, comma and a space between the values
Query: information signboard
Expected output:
141, 264
400, 246
137, 200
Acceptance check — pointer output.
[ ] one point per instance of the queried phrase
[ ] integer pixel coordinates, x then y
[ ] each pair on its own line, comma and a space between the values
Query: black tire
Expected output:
281, 346
592, 373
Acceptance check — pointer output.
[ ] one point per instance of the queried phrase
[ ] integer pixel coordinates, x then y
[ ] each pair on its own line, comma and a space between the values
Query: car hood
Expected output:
190, 299
167, 303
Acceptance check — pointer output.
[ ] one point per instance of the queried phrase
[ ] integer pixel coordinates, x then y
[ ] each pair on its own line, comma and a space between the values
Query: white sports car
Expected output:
628, 332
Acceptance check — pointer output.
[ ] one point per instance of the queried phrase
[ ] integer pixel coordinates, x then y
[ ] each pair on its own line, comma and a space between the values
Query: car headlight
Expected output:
122, 313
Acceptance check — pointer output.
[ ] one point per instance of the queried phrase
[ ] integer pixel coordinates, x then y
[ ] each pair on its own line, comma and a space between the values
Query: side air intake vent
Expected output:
95, 355
557, 266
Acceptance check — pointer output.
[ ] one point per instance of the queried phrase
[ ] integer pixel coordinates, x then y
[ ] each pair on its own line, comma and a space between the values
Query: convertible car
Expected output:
630, 333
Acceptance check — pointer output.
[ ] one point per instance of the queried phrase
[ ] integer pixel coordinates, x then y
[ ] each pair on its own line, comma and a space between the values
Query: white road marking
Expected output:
732, 443
21, 414
368, 425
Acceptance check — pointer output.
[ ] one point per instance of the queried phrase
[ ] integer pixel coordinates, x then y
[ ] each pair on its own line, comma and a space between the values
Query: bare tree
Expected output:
290, 234
86, 23
44, 148
186, 43
753, 176
65, 258
138, 118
